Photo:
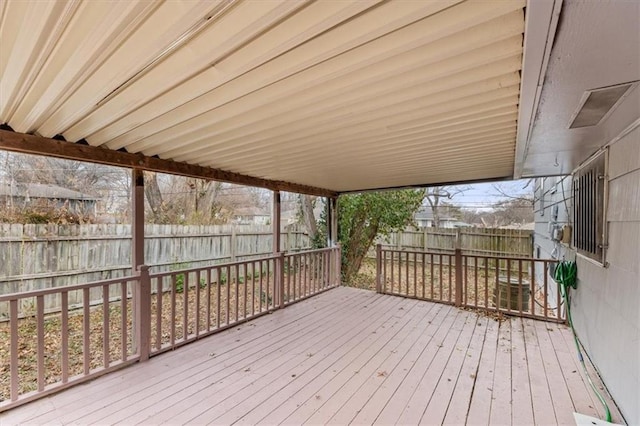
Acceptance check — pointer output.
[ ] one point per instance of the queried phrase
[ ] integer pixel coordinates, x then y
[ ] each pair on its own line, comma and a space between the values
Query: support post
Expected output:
137, 253
332, 222
137, 219
275, 221
458, 265
379, 268
143, 313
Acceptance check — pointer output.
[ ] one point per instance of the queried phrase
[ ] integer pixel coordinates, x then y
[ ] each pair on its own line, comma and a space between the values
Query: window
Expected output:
589, 209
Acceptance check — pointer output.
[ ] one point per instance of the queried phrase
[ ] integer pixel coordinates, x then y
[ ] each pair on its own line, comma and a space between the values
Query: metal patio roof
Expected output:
338, 95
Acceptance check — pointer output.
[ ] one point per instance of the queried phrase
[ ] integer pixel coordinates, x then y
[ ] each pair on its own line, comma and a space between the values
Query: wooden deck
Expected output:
345, 356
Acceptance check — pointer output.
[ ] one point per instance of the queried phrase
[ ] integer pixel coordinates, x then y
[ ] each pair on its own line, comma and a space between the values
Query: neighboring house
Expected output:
292, 215
530, 226
39, 195
251, 216
423, 218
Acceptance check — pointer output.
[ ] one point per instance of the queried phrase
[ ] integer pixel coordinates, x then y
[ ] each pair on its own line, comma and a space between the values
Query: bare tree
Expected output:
436, 196
307, 203
154, 196
507, 194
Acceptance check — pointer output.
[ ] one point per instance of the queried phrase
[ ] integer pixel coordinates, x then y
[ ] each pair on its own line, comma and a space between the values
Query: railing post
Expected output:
338, 264
458, 263
279, 296
378, 268
143, 313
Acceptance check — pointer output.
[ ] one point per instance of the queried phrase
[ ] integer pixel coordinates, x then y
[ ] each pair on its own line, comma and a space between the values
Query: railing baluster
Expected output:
304, 274
253, 288
424, 273
323, 279
13, 320
509, 285
486, 283
298, 282
237, 287
105, 326
65, 335
290, 271
392, 267
86, 330
208, 288
301, 275
450, 278
246, 285
261, 285
546, 288
520, 286
185, 305
532, 287
475, 281
218, 284
558, 302
406, 275
159, 297
384, 271
172, 337
40, 333
228, 290
465, 279
314, 274
415, 274
318, 286
197, 289
432, 277
268, 284
318, 273
497, 289
440, 277
123, 319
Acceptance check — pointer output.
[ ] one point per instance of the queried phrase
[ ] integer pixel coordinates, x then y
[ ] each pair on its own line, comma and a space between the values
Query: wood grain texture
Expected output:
32, 144
346, 355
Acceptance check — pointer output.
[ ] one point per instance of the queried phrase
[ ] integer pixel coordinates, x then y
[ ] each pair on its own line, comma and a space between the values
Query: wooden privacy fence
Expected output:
35, 257
41, 354
492, 283
480, 241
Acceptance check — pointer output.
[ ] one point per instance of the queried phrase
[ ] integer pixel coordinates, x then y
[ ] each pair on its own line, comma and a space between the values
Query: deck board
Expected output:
522, 412
563, 405
501, 402
345, 356
347, 383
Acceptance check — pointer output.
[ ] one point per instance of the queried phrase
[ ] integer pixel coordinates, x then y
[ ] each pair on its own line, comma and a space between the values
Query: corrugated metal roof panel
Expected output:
340, 95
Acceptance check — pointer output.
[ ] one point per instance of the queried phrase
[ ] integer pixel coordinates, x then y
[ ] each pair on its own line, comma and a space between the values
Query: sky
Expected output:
482, 195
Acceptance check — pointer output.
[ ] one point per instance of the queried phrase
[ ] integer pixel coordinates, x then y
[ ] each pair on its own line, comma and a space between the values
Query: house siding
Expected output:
606, 305
549, 193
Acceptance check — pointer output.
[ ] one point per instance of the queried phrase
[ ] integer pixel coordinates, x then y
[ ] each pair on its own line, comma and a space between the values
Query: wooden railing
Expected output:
508, 285
143, 315
308, 273
41, 354
192, 303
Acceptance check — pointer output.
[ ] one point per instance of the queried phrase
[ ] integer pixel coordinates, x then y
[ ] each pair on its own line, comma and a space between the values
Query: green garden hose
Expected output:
566, 275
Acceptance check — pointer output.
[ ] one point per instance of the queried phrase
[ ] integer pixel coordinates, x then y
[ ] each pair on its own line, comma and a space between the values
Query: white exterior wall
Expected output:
606, 305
